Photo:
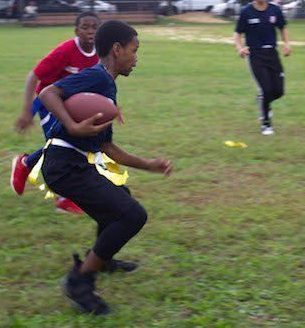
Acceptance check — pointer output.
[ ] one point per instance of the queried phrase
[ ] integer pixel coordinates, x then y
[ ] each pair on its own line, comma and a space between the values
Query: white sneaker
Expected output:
267, 130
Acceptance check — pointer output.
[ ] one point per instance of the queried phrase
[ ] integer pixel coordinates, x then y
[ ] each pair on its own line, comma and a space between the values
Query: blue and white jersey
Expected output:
259, 26
94, 79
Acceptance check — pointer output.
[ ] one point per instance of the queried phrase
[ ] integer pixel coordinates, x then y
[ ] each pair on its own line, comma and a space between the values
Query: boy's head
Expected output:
118, 40
86, 25
261, 2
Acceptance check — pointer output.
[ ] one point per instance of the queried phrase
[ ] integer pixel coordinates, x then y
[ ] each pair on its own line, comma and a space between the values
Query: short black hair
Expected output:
85, 14
111, 32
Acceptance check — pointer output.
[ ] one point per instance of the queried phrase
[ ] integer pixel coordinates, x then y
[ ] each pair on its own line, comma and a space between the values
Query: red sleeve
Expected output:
53, 63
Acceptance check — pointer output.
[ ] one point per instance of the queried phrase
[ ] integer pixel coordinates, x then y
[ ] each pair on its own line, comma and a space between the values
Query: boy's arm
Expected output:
242, 51
51, 97
25, 119
159, 165
285, 39
240, 29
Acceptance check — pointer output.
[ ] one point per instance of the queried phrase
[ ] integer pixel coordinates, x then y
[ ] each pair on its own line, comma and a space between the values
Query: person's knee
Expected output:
278, 93
268, 95
140, 216
136, 217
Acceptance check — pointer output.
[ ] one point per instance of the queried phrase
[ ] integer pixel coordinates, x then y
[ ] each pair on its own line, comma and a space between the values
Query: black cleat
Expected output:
80, 289
119, 265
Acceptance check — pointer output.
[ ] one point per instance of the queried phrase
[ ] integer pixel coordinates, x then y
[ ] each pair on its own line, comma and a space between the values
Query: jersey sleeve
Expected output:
54, 62
85, 81
281, 20
241, 23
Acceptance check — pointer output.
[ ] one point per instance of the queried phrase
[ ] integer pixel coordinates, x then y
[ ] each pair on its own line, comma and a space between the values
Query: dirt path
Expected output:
199, 17
194, 34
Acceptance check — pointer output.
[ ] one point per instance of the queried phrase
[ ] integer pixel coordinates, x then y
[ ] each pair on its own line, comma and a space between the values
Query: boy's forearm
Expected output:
284, 35
238, 41
29, 94
51, 98
124, 158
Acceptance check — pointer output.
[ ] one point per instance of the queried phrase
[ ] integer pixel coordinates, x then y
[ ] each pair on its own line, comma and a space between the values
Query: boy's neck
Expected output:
260, 5
109, 66
88, 48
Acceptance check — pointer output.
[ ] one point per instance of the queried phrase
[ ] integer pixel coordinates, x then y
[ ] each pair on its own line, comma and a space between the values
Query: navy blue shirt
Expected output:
94, 79
260, 26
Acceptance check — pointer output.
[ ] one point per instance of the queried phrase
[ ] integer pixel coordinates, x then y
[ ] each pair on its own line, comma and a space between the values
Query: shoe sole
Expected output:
14, 163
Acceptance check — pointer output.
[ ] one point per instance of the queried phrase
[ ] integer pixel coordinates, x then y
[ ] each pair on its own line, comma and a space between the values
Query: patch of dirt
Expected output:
199, 17
185, 33
194, 34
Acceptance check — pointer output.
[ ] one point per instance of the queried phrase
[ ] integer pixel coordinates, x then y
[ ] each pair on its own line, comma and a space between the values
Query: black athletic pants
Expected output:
118, 215
268, 73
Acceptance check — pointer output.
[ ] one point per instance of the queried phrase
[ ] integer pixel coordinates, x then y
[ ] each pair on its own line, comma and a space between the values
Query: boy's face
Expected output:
86, 29
127, 57
261, 2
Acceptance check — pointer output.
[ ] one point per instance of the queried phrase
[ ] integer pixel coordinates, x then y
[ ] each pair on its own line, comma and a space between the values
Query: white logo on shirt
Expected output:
254, 21
71, 69
272, 19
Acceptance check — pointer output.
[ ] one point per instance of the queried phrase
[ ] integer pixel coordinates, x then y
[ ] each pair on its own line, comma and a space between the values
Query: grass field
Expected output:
224, 245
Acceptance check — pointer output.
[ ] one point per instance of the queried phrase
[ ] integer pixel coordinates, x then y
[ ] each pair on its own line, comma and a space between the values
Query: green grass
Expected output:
224, 245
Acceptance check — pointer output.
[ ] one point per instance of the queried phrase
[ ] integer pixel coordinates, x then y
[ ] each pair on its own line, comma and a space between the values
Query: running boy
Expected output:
258, 21
67, 172
69, 57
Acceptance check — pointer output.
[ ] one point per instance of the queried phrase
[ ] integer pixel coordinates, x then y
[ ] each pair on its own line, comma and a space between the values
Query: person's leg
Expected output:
19, 174
262, 77
92, 263
22, 164
102, 224
32, 159
98, 197
79, 287
67, 173
121, 214
62, 204
115, 265
277, 76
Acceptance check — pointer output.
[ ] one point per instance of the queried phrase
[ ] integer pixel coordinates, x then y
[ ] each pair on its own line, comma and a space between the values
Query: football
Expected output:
84, 105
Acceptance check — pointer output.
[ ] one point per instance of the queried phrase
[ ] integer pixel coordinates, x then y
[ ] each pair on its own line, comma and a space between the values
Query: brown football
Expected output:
86, 104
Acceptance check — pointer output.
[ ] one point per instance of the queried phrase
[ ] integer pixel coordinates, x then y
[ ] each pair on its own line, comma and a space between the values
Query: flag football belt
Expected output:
103, 164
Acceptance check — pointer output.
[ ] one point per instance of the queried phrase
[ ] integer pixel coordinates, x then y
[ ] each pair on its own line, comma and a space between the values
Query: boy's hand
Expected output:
244, 52
88, 128
160, 165
24, 121
286, 49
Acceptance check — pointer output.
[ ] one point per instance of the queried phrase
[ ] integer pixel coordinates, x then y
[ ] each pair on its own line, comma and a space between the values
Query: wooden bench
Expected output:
62, 19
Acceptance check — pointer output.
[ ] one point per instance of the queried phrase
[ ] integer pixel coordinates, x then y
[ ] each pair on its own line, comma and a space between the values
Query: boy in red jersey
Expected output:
69, 57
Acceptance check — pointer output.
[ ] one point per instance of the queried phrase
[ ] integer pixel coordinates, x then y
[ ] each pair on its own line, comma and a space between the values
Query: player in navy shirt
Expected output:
258, 21
96, 80
67, 171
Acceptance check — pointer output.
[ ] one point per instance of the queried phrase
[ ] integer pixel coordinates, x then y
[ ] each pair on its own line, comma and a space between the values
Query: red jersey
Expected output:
67, 58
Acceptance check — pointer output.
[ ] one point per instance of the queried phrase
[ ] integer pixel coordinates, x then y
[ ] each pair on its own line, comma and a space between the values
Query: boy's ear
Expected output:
116, 47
